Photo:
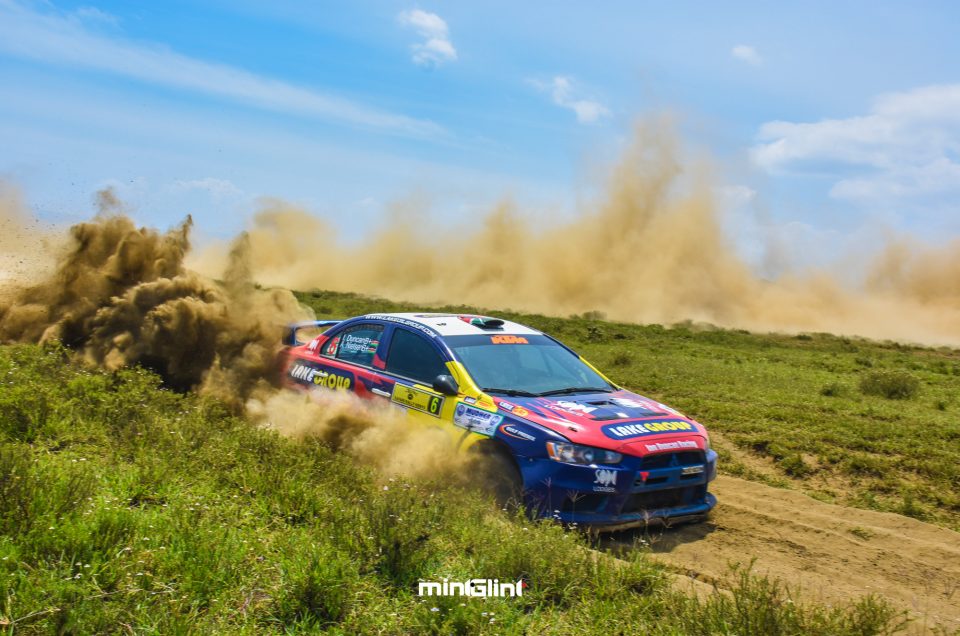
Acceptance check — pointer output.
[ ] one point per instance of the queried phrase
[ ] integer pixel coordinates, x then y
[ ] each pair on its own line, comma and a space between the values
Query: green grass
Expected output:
810, 411
128, 508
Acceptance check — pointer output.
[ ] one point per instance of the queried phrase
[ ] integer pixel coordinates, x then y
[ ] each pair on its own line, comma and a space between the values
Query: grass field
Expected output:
795, 411
128, 508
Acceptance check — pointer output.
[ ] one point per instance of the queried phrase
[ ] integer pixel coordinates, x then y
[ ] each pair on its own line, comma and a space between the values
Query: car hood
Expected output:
622, 421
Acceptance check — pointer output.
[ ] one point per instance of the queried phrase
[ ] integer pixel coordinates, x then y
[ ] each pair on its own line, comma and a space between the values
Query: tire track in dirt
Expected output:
822, 552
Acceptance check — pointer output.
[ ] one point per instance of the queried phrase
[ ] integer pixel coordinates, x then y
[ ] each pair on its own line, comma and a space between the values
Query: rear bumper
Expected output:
589, 496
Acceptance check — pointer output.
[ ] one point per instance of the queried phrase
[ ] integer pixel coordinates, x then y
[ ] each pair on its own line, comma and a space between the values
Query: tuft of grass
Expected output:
621, 359
893, 385
833, 389
795, 466
749, 609
862, 533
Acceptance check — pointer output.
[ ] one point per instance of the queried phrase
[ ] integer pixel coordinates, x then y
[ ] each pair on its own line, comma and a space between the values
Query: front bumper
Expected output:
666, 488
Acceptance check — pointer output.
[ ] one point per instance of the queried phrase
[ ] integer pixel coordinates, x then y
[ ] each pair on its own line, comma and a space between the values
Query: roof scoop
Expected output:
483, 322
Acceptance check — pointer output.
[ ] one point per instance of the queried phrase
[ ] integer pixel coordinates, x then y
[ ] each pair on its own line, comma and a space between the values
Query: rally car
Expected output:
573, 444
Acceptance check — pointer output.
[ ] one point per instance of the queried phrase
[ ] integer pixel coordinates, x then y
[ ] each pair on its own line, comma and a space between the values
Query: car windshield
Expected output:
524, 365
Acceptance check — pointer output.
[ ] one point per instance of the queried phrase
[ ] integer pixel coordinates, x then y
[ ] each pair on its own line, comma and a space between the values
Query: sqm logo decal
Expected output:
605, 477
480, 588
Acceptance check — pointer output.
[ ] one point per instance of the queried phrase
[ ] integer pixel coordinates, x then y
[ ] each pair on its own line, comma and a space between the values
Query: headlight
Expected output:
576, 454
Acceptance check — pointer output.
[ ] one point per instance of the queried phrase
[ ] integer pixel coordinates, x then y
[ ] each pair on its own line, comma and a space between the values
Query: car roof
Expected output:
453, 324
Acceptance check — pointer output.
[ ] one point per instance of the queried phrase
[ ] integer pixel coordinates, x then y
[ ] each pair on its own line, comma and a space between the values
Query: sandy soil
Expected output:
823, 552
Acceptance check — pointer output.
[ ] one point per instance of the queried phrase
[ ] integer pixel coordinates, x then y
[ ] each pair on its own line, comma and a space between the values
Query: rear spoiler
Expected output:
290, 331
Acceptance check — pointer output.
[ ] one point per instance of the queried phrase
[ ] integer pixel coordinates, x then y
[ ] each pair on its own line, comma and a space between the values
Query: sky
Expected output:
828, 125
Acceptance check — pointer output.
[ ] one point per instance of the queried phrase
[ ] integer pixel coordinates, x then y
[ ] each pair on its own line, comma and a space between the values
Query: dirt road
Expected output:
825, 552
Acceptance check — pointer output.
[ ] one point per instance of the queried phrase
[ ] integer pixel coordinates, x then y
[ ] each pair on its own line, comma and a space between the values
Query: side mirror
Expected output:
446, 384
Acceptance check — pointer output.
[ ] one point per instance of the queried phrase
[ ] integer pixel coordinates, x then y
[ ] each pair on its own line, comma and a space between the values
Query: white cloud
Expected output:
746, 54
93, 14
563, 94
60, 40
216, 188
436, 47
906, 146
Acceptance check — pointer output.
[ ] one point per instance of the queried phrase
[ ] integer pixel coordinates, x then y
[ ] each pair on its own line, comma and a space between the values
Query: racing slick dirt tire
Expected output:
500, 475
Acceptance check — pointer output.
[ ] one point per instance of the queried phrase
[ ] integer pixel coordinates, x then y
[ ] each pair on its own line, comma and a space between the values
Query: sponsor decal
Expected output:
626, 431
417, 399
476, 588
508, 339
512, 431
476, 420
405, 322
665, 446
630, 403
519, 411
605, 480
573, 407
321, 377
691, 470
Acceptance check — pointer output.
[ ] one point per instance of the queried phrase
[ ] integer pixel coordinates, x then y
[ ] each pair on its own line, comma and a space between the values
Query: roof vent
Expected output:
483, 322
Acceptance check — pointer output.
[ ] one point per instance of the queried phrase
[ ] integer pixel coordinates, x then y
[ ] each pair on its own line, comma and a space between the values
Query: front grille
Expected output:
668, 498
665, 460
583, 503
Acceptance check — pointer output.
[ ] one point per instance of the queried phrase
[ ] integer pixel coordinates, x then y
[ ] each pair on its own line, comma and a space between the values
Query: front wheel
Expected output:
499, 475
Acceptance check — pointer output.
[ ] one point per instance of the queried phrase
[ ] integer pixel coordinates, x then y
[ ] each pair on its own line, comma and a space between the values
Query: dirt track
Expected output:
826, 553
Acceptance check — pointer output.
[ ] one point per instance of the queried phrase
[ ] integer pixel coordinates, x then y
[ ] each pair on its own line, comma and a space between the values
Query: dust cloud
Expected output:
378, 434
650, 250
26, 244
120, 296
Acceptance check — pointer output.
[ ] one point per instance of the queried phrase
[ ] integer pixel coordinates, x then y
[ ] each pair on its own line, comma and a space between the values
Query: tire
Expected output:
499, 475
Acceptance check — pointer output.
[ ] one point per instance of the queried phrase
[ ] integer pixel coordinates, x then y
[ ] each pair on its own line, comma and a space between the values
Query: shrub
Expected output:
794, 465
621, 359
834, 389
893, 385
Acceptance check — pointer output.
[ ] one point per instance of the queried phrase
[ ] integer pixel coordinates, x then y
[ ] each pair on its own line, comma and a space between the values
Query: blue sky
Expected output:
825, 120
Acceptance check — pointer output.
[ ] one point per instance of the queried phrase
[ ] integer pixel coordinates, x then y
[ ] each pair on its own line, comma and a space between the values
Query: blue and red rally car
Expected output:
578, 447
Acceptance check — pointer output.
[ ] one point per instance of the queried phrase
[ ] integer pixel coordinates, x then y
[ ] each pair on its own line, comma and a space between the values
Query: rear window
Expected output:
412, 356
359, 344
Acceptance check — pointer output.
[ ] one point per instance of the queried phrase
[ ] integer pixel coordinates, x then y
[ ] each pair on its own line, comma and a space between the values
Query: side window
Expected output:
358, 344
412, 356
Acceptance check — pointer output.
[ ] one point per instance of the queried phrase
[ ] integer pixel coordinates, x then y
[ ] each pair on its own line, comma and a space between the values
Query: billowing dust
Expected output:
650, 250
25, 243
378, 434
120, 295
